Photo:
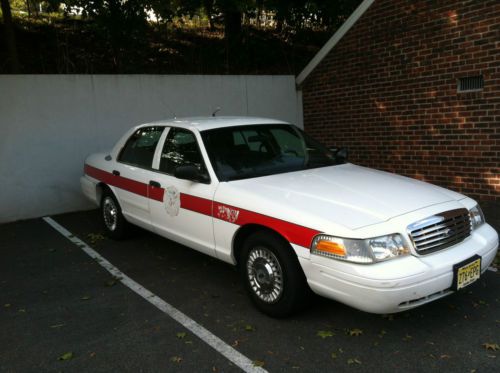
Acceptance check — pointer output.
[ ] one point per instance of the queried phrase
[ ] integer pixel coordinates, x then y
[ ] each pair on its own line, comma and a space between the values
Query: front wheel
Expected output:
272, 275
114, 222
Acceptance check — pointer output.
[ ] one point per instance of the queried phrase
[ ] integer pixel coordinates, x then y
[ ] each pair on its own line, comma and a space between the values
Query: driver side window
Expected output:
180, 149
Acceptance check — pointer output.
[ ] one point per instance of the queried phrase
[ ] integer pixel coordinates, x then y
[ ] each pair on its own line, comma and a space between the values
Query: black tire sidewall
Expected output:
120, 231
295, 288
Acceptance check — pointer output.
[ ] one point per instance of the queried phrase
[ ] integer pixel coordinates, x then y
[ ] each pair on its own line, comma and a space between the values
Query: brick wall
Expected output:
388, 92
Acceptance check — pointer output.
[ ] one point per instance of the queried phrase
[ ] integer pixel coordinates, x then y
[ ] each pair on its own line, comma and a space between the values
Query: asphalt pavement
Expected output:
61, 311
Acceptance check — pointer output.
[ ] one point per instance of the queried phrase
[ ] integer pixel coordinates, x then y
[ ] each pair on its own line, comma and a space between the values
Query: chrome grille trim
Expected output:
440, 231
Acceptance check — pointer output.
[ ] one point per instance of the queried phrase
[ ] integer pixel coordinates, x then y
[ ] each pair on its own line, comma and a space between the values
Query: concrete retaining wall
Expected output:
49, 123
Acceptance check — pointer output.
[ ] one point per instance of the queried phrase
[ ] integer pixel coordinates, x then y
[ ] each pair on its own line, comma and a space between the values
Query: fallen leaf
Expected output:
95, 237
181, 335
353, 361
85, 297
407, 338
334, 355
176, 359
258, 363
355, 332
491, 346
57, 326
325, 333
236, 343
444, 356
66, 356
110, 283
21, 310
92, 354
249, 328
7, 305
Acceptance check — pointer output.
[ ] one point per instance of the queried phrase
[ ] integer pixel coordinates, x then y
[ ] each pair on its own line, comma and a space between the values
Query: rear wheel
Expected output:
272, 275
115, 224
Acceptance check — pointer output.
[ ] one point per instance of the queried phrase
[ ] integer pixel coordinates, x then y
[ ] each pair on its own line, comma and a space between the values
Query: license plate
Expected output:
467, 272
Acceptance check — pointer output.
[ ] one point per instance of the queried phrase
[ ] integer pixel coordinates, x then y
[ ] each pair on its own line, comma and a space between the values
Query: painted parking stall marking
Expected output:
205, 335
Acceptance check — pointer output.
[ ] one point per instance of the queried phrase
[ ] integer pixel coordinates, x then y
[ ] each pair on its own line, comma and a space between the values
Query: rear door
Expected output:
133, 171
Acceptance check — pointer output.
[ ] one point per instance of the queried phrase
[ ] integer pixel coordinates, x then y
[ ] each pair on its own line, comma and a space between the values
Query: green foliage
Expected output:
18, 5
288, 13
115, 36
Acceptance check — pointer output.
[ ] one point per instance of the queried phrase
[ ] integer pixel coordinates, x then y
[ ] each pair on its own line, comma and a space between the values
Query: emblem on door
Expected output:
172, 201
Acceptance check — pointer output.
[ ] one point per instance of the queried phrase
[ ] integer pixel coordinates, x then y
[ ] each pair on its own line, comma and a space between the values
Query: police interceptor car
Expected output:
293, 215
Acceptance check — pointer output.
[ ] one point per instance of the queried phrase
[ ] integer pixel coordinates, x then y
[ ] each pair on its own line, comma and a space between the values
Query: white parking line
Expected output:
206, 336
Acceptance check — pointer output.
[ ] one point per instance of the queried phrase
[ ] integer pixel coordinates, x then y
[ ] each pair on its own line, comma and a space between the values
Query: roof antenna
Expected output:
171, 111
216, 111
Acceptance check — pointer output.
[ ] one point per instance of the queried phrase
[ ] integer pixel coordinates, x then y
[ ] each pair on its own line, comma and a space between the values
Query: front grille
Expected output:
440, 231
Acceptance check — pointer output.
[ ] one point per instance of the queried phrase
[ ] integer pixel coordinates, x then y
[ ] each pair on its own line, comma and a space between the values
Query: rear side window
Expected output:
140, 148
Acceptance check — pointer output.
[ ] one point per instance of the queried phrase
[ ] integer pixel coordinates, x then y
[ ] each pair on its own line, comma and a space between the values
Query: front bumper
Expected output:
400, 284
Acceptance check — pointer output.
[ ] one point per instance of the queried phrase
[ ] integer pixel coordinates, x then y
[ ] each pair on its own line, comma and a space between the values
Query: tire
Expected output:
112, 218
272, 275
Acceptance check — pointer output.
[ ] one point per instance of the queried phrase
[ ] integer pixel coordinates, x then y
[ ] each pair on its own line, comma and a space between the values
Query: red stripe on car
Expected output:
294, 233
196, 204
121, 182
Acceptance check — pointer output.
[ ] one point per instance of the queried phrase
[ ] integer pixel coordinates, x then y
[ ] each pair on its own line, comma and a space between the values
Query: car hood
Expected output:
348, 195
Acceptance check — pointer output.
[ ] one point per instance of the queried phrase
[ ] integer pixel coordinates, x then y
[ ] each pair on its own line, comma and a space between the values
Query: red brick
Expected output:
387, 91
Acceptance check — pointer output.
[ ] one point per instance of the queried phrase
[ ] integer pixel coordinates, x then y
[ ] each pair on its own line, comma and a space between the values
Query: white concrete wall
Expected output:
49, 123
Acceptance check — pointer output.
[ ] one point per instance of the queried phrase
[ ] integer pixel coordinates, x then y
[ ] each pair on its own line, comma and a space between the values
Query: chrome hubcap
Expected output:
265, 274
110, 213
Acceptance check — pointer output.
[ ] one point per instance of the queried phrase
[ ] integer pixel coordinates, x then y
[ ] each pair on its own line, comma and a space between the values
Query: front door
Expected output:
182, 209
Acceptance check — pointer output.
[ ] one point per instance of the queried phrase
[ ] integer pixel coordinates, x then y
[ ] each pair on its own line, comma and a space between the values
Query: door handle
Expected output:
154, 184
116, 173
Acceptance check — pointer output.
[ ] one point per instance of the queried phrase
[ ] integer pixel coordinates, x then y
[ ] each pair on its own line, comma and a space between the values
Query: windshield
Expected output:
257, 150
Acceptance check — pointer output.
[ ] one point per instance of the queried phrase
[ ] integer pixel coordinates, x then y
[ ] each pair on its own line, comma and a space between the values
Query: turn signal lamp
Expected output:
363, 251
331, 247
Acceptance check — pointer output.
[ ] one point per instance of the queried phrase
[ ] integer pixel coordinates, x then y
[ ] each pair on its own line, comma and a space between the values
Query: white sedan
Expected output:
293, 215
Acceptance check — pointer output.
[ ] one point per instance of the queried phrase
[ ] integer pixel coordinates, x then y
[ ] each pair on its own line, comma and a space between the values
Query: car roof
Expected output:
208, 123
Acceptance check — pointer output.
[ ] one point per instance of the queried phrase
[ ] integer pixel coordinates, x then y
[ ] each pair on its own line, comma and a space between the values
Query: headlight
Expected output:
360, 251
476, 216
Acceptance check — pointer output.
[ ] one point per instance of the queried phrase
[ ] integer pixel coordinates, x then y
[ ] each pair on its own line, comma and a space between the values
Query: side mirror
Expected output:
341, 155
190, 172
